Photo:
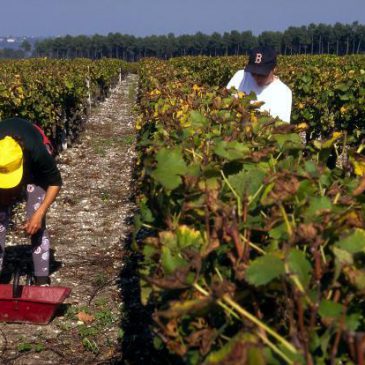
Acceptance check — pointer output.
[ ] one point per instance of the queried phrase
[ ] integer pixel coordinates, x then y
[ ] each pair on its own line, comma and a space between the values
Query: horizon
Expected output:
176, 35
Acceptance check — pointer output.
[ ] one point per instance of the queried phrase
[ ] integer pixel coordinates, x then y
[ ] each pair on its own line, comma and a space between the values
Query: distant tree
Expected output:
214, 45
248, 41
200, 42
26, 46
314, 39
234, 42
272, 39
171, 45
11, 53
185, 44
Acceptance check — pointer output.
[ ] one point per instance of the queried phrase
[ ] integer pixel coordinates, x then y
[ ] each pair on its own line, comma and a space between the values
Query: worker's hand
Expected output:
34, 224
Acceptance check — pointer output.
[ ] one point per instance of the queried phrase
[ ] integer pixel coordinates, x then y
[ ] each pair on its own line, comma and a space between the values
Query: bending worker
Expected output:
258, 76
27, 169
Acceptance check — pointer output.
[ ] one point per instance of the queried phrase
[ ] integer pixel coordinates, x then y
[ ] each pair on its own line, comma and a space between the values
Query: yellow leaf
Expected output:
359, 167
337, 135
253, 118
301, 126
343, 110
84, 317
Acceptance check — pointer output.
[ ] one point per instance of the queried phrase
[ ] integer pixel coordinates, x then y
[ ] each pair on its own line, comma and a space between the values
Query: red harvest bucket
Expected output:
34, 304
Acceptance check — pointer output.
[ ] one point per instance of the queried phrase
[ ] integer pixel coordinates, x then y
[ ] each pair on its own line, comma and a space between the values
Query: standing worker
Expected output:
27, 168
258, 76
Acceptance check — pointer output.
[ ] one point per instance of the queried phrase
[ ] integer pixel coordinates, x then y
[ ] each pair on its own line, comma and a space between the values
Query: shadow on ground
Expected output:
137, 342
19, 258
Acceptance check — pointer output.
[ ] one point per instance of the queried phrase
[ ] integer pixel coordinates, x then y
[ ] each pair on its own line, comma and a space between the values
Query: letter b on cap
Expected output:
258, 58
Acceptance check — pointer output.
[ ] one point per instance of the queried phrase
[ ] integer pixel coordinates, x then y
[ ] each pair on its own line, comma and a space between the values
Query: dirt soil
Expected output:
89, 224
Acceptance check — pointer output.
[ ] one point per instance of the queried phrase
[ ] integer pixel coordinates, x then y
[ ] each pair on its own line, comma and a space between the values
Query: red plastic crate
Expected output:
36, 304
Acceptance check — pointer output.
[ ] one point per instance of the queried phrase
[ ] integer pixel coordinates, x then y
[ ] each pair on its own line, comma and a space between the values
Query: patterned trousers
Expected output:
40, 240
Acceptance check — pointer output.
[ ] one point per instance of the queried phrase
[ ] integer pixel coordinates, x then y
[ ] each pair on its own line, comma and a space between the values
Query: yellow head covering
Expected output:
11, 163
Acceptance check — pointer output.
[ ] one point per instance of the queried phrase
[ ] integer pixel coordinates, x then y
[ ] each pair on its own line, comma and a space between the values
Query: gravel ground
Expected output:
88, 226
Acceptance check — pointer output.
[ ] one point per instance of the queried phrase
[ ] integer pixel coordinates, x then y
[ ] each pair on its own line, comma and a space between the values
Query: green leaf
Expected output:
342, 87
342, 256
255, 356
171, 262
311, 168
170, 166
69, 84
146, 214
264, 200
353, 321
299, 265
231, 150
247, 183
316, 206
187, 236
193, 357
306, 188
197, 119
23, 347
146, 291
325, 180
288, 141
264, 269
353, 243
279, 232
329, 309
157, 343
149, 251
326, 342
168, 239
270, 357
193, 170
39, 347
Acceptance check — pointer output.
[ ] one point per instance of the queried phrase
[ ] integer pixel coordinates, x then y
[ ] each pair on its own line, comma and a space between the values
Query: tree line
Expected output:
339, 39
12, 53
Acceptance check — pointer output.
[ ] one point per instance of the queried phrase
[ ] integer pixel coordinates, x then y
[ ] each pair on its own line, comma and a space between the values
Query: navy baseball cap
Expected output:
261, 60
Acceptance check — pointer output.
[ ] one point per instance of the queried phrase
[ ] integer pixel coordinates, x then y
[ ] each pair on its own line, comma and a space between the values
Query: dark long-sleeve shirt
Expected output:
39, 166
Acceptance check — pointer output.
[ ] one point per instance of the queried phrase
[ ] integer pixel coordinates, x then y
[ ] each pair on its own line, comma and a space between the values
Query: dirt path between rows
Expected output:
88, 225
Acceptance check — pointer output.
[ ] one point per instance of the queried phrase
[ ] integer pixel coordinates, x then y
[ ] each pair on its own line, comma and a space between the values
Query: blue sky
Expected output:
147, 17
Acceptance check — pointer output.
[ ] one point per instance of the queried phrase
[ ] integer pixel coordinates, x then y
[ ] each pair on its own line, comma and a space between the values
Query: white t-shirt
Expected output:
277, 96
